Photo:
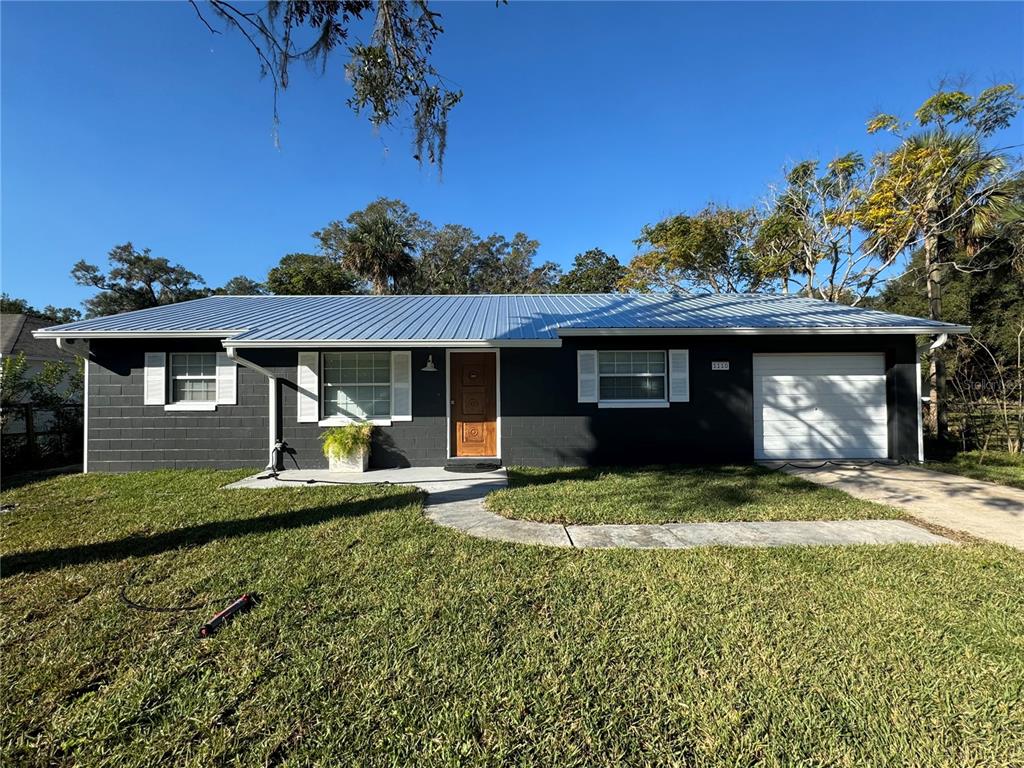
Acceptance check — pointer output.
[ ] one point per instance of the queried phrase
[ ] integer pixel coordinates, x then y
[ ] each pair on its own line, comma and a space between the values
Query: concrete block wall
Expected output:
542, 424
126, 435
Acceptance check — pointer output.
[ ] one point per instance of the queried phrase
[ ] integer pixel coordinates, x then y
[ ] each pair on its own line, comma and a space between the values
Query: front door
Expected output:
474, 405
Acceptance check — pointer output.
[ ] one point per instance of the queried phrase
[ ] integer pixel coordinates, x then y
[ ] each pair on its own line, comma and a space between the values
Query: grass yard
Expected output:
993, 466
383, 640
673, 495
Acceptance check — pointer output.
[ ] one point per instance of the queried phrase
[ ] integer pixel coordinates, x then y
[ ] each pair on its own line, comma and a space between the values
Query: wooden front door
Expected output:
474, 404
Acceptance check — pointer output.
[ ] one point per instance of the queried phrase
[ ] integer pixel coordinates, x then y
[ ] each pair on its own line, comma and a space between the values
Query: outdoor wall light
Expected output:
430, 365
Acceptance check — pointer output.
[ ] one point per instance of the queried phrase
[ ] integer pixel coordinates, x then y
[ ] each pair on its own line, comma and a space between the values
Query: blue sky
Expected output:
581, 122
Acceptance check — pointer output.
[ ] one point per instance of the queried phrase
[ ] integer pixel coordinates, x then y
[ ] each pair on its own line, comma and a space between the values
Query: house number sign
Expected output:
719, 365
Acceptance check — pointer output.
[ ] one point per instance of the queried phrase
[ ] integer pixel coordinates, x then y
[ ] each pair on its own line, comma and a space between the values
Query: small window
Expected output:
193, 377
631, 376
357, 385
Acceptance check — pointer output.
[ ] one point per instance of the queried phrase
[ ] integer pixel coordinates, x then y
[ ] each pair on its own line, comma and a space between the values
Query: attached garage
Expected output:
820, 406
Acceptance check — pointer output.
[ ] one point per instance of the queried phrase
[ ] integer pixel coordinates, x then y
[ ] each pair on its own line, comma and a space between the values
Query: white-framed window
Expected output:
193, 377
632, 376
356, 385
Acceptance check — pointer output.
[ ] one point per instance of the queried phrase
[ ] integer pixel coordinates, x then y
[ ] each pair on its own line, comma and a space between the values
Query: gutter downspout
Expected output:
922, 349
273, 446
68, 345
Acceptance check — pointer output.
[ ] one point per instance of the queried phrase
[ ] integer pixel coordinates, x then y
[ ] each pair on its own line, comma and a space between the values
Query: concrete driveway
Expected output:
986, 510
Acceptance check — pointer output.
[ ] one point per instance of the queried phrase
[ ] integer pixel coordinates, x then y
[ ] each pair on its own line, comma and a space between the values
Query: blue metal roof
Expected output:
531, 318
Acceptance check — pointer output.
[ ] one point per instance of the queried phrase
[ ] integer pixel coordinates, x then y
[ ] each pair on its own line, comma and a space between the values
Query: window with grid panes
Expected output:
193, 377
357, 385
631, 375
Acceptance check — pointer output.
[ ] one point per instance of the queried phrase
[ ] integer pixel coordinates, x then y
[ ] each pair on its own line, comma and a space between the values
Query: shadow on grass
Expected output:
12, 481
193, 535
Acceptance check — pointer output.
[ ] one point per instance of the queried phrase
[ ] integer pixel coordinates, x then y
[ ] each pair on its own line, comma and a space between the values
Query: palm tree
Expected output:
378, 249
943, 191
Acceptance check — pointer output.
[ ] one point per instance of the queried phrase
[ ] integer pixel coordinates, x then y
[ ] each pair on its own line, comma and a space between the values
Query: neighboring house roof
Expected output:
16, 335
486, 319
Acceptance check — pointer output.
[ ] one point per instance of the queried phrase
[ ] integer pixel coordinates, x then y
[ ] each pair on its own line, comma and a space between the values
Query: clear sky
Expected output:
580, 123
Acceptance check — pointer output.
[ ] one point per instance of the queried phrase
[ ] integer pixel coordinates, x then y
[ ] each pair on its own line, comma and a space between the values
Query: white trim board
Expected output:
448, 404
85, 417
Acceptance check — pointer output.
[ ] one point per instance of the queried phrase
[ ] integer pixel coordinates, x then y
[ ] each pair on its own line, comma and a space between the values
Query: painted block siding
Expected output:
542, 424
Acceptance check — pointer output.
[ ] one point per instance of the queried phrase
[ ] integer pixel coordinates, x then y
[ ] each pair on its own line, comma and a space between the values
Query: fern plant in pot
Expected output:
348, 448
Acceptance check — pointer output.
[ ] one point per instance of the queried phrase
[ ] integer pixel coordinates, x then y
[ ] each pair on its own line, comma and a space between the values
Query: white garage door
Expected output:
820, 407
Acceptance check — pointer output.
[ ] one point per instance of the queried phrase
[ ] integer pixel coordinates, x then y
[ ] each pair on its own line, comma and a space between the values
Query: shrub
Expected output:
345, 441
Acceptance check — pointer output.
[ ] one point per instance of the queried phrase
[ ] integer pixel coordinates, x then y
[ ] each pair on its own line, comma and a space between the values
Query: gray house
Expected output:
528, 379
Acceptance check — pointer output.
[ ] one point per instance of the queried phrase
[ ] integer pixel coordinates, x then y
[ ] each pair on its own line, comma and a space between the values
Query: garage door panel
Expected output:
820, 406
824, 449
817, 386
814, 413
787, 442
828, 365
861, 400
795, 427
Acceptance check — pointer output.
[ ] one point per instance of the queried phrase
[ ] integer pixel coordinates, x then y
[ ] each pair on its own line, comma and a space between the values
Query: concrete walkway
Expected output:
455, 500
986, 510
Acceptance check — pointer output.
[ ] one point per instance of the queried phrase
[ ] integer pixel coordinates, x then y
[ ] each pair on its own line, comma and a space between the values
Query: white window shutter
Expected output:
586, 376
308, 381
401, 386
227, 380
679, 375
155, 379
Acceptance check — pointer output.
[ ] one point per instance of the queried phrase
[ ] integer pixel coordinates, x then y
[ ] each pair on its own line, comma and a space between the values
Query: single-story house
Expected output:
16, 338
521, 379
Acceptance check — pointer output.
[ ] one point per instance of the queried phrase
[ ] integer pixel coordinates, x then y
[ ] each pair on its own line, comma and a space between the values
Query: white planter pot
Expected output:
357, 462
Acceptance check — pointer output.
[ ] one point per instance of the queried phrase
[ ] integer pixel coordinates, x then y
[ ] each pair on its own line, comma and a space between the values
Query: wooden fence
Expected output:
37, 438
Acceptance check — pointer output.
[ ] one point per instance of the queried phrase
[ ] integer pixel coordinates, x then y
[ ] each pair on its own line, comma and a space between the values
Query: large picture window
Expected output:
631, 376
193, 377
357, 385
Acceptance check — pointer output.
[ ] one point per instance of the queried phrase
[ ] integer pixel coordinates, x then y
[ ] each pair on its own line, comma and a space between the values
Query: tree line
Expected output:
383, 248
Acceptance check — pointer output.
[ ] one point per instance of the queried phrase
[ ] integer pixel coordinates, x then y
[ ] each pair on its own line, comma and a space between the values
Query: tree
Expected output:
940, 187
377, 243
310, 274
240, 285
10, 305
454, 259
593, 271
390, 74
448, 261
710, 250
808, 238
136, 280
506, 266
55, 387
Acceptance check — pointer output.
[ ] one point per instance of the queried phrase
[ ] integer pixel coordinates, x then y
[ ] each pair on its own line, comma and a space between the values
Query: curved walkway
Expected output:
455, 500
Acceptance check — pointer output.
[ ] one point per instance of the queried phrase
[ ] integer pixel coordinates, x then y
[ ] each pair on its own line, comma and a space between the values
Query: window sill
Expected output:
632, 404
341, 421
190, 407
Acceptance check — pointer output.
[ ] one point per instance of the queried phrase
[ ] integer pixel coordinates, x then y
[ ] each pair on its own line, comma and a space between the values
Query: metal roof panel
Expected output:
488, 318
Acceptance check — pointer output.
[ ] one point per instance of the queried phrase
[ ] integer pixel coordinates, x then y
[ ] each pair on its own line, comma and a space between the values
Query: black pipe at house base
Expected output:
241, 604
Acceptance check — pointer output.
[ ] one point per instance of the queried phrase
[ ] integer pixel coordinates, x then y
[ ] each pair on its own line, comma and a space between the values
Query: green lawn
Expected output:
383, 640
673, 495
994, 466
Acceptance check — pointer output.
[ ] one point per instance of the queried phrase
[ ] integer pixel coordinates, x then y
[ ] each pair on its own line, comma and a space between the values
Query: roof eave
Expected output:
210, 334
397, 343
916, 330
